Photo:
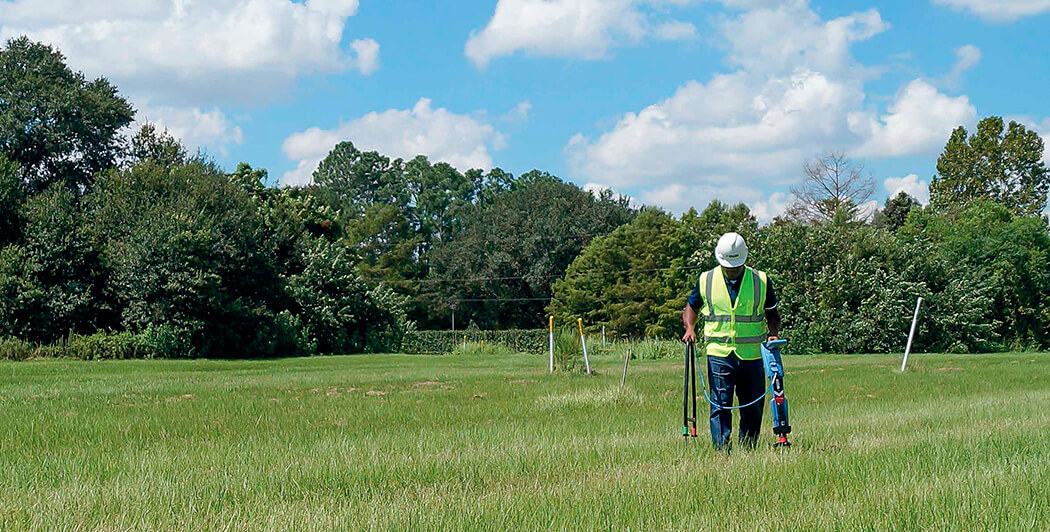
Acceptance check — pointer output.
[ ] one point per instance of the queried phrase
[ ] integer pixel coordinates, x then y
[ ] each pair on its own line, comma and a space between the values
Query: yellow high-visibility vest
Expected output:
740, 327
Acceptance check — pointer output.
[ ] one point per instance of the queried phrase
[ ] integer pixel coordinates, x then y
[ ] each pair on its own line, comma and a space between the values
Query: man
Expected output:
740, 312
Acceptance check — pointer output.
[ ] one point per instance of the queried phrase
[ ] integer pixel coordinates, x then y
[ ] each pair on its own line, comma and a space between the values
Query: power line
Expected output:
475, 300
551, 276
519, 299
504, 239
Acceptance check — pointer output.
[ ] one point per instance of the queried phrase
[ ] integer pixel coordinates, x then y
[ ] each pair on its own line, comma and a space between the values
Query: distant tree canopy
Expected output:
416, 227
635, 280
515, 244
997, 163
137, 244
893, 215
631, 279
59, 127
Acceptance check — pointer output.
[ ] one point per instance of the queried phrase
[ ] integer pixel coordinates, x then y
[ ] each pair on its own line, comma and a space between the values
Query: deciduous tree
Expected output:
1000, 163
58, 126
831, 183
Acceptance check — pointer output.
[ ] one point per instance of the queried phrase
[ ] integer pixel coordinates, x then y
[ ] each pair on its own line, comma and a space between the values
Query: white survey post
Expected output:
550, 335
911, 334
583, 342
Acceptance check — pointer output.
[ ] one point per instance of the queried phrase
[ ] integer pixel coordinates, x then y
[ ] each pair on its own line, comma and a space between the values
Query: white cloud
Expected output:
789, 100
999, 10
777, 203
797, 91
867, 209
196, 128
966, 57
585, 29
733, 126
189, 53
910, 185
596, 190
520, 113
463, 141
779, 40
367, 55
919, 121
676, 30
679, 198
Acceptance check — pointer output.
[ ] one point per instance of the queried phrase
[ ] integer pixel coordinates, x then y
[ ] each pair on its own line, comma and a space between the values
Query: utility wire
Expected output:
551, 276
502, 239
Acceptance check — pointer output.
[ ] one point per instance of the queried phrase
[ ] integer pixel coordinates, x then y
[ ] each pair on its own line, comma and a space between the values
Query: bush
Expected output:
15, 349
165, 341
441, 342
482, 349
338, 312
101, 346
568, 352
156, 342
652, 349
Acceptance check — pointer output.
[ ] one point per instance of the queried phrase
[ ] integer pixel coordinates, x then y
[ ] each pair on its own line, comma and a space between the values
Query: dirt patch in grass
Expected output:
431, 385
593, 397
432, 382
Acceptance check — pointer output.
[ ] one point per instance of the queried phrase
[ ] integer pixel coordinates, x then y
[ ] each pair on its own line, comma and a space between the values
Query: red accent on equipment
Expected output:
692, 431
778, 399
783, 439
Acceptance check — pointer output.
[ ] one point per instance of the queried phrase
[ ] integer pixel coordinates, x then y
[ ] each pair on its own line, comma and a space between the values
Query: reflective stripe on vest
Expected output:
739, 339
739, 319
734, 326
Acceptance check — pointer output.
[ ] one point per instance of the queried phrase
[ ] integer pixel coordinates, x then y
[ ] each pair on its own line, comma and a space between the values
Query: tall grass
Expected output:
651, 349
393, 442
568, 351
481, 349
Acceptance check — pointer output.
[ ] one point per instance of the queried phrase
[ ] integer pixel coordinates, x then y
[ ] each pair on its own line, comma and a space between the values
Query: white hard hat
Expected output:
731, 250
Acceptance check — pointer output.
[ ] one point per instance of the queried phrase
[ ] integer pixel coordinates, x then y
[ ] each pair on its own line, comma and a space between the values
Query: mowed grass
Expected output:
395, 442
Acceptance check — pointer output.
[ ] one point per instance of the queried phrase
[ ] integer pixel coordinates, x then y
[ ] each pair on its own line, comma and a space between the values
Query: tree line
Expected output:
112, 238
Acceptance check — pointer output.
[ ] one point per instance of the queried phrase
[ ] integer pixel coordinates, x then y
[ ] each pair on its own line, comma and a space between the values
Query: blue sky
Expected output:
673, 102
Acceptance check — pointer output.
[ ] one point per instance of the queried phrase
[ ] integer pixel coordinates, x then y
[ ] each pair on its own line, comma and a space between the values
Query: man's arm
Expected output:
689, 320
689, 313
773, 323
772, 315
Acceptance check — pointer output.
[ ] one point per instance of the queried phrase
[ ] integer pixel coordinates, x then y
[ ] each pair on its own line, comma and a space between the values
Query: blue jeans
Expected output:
745, 377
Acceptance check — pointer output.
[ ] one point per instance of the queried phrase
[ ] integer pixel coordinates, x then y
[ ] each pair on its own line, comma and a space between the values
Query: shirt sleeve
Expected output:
695, 300
771, 296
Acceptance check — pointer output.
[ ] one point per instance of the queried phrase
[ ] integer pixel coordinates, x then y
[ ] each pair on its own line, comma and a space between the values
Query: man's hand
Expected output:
772, 337
690, 335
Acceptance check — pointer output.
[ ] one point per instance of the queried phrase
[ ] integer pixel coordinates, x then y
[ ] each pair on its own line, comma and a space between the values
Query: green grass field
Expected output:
394, 442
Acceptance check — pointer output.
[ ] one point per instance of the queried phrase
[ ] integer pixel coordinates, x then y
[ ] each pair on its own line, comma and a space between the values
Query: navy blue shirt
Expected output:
733, 285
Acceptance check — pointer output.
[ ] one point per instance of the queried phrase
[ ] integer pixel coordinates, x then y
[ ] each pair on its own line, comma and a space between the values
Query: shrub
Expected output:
338, 312
14, 349
482, 349
653, 349
165, 341
440, 342
568, 353
101, 345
